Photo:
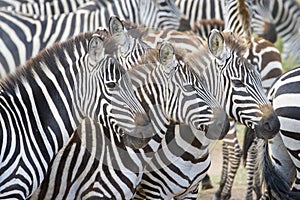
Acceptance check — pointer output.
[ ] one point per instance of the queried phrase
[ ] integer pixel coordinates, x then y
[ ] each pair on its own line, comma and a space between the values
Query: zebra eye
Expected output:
111, 85
238, 83
163, 4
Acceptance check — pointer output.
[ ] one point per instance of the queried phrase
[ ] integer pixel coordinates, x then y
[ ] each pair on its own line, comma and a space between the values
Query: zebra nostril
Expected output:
267, 126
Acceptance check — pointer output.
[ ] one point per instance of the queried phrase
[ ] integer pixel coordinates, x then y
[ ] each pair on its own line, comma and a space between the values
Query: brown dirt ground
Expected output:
239, 188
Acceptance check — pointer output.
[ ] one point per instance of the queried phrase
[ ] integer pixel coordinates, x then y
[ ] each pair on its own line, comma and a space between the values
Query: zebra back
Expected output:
46, 8
23, 36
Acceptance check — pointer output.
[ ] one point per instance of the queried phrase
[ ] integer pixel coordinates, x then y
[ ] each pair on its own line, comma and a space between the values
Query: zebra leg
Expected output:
234, 159
257, 183
225, 152
235, 154
251, 169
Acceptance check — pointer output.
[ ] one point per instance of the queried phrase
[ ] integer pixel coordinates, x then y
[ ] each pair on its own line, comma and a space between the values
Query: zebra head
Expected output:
243, 96
170, 92
125, 45
109, 88
162, 14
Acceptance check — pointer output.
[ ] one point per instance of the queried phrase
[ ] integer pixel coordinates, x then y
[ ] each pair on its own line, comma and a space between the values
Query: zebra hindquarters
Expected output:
285, 98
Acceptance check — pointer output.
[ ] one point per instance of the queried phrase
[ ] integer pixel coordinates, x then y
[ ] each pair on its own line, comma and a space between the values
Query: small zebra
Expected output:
281, 171
168, 91
262, 54
44, 101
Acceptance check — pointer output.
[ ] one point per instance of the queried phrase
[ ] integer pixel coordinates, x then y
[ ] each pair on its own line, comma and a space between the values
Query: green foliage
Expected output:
288, 63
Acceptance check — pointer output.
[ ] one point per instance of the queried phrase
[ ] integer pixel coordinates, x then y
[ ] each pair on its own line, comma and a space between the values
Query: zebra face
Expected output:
245, 100
172, 93
189, 82
118, 101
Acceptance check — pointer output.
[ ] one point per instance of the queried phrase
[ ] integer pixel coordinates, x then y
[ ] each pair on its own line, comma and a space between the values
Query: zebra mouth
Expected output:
138, 138
135, 142
203, 128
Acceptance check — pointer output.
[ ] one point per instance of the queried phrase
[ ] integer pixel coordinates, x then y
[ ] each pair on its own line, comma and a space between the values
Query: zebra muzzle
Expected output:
220, 126
269, 125
142, 133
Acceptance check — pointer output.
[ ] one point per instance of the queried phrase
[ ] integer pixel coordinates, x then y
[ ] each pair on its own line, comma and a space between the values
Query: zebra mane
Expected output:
209, 23
236, 43
47, 58
200, 59
245, 13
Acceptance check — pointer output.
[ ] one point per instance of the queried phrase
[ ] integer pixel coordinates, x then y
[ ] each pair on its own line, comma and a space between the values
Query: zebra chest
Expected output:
183, 155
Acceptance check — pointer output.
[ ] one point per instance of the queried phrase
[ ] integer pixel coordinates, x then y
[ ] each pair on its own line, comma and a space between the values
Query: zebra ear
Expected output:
166, 53
115, 25
216, 44
95, 50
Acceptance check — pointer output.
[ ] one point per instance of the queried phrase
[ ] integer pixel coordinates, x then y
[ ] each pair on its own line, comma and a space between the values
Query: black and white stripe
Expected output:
23, 36
166, 89
160, 180
281, 171
43, 102
279, 18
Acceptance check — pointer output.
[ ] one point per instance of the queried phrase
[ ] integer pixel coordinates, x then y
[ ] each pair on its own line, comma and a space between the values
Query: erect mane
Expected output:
236, 43
213, 23
48, 58
245, 13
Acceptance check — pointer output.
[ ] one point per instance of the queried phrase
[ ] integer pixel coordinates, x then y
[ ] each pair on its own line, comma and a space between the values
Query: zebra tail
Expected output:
277, 185
248, 140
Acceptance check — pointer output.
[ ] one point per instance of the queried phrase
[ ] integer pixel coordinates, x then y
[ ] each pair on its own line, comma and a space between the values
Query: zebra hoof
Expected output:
216, 197
226, 197
206, 183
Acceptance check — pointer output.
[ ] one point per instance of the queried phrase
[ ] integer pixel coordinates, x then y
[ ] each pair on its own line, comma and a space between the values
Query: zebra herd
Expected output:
120, 99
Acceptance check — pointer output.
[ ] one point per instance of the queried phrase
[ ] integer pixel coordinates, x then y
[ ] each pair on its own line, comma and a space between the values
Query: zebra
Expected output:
266, 58
281, 170
262, 54
279, 17
166, 34
166, 89
43, 102
158, 187
23, 36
